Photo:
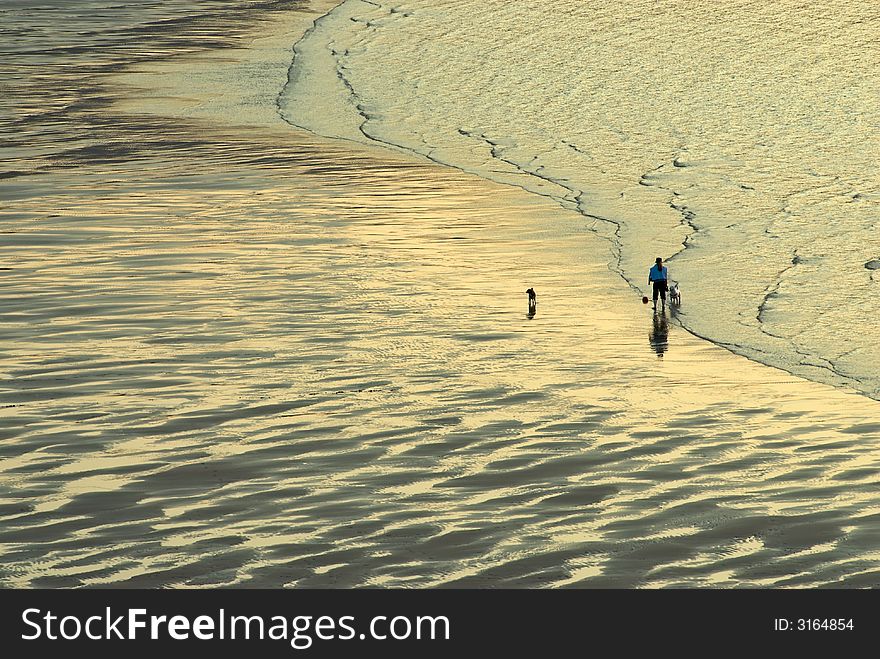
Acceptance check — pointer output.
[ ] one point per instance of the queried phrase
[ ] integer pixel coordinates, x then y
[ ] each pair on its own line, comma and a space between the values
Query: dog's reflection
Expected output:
659, 336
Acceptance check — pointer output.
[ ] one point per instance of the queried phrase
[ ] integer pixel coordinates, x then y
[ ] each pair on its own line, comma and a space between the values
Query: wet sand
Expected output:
257, 357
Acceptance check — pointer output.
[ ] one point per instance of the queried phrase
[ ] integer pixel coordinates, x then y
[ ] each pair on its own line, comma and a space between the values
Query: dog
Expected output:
675, 295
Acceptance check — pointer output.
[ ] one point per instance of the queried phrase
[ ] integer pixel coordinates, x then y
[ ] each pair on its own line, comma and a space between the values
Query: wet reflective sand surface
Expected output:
257, 357
318, 369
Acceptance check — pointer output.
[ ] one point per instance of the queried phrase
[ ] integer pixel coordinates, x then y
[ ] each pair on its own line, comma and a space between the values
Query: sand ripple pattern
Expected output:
316, 369
249, 358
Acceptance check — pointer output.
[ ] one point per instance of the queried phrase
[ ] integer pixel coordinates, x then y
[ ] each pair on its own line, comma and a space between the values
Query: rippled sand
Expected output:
258, 357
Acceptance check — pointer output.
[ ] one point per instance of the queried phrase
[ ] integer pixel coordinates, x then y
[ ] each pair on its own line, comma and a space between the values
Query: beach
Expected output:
738, 141
240, 353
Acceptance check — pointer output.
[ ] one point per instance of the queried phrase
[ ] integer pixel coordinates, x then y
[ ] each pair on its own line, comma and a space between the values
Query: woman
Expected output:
658, 275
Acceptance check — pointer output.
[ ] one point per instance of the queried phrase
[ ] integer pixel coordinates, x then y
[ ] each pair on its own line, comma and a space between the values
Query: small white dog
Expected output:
675, 295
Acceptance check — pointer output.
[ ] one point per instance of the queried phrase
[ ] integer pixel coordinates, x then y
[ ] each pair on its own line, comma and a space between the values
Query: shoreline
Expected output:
354, 118
285, 360
197, 86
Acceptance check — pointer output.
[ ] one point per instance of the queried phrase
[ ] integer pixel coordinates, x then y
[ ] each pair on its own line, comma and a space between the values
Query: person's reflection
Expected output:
659, 336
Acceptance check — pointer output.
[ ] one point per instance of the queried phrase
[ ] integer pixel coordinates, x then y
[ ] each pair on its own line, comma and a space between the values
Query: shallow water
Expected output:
256, 357
738, 139
59, 57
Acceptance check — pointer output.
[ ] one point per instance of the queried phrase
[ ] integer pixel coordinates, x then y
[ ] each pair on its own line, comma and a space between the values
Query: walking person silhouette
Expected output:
658, 275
